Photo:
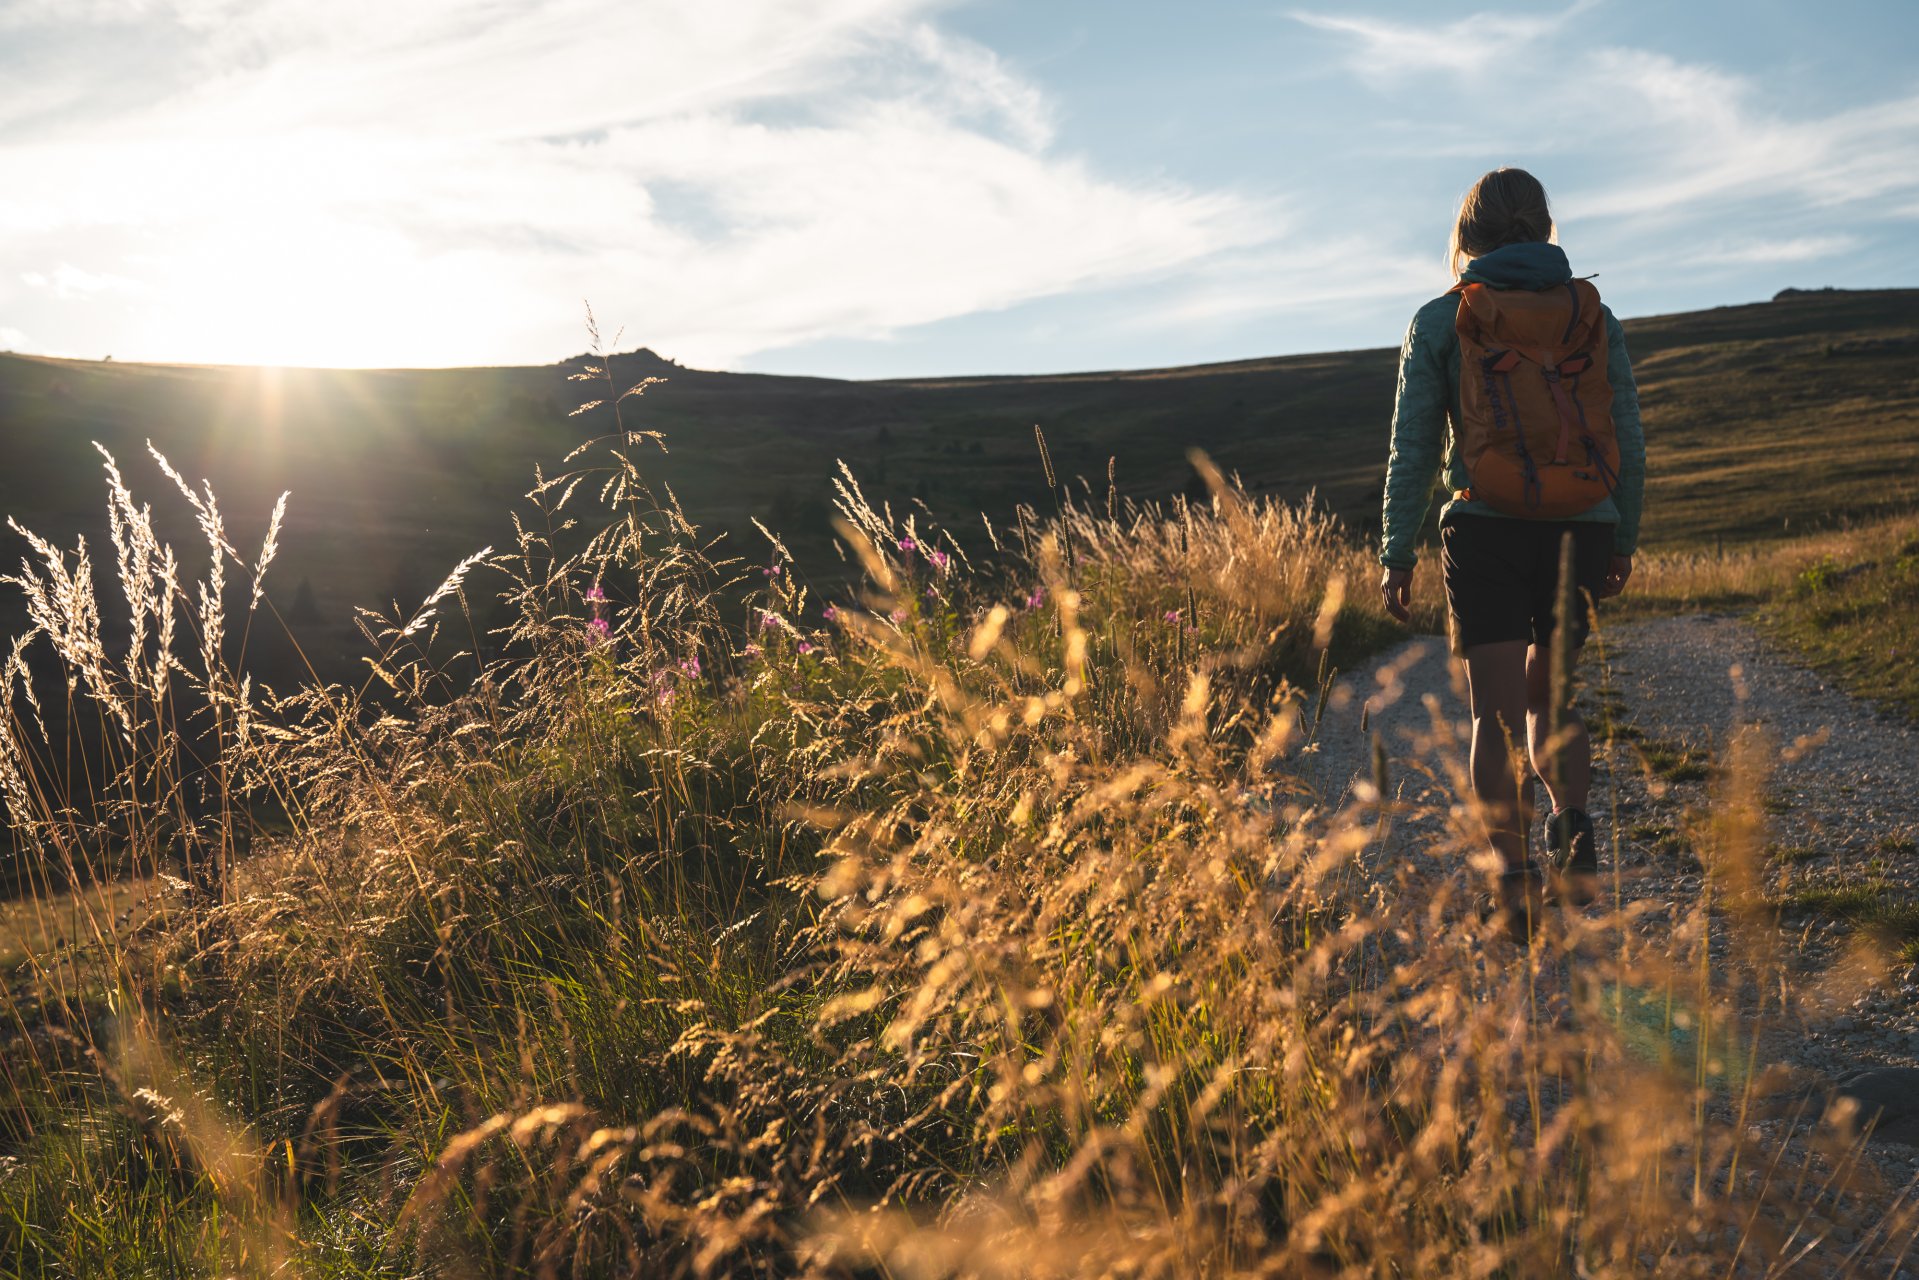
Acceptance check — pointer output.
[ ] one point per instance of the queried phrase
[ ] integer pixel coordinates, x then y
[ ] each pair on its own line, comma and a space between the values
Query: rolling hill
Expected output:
1760, 419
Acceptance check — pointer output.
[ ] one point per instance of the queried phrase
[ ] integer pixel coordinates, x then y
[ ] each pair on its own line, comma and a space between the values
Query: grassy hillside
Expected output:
1020, 918
1761, 418
1012, 923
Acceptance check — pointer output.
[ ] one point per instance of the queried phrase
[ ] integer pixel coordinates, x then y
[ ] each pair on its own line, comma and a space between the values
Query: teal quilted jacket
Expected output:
1429, 391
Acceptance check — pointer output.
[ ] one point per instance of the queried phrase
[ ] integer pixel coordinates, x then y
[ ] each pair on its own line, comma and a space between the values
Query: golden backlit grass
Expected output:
989, 926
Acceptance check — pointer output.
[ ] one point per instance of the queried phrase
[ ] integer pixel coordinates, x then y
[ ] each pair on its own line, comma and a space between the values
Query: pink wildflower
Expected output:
907, 545
829, 613
600, 629
594, 594
939, 560
805, 646
1037, 598
898, 615
691, 666
1172, 615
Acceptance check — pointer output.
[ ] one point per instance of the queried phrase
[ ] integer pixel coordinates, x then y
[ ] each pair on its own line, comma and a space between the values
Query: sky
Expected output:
887, 188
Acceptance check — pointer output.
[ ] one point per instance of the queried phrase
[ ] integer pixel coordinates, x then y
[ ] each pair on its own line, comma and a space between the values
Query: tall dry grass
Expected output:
996, 920
1756, 573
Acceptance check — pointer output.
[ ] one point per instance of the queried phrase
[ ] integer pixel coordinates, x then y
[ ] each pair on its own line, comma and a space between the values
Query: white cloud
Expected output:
1706, 141
440, 181
1316, 276
1650, 145
973, 79
1471, 45
68, 282
1790, 249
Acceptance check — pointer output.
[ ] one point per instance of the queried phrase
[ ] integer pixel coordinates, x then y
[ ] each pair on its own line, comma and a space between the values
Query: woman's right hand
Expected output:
1397, 588
1617, 574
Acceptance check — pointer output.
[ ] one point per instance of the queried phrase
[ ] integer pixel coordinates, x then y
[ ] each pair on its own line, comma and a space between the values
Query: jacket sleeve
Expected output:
1631, 436
1419, 439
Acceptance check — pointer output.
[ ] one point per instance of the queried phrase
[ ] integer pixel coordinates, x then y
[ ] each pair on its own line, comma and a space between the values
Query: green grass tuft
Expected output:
1675, 762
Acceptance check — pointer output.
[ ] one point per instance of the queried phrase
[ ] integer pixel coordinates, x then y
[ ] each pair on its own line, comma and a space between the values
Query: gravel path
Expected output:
1841, 808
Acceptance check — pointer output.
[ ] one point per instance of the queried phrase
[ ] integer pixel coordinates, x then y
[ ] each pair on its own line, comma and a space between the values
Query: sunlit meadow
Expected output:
999, 918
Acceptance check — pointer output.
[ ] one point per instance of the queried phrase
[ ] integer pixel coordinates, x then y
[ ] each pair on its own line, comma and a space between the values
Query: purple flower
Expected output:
691, 666
751, 651
771, 571
1172, 615
907, 545
829, 613
932, 592
939, 560
898, 615
768, 620
600, 629
805, 646
1037, 598
594, 594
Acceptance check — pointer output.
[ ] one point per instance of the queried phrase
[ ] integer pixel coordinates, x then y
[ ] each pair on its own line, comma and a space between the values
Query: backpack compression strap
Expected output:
1572, 417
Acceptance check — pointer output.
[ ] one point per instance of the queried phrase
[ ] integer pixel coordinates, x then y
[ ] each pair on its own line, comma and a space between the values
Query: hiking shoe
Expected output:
1517, 901
1574, 854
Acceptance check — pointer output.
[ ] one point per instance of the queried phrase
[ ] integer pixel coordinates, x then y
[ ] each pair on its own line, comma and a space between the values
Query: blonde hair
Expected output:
1506, 206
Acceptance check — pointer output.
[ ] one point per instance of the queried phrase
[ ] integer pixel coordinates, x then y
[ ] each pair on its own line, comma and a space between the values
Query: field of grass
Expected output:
981, 921
1843, 600
968, 911
1851, 611
1762, 420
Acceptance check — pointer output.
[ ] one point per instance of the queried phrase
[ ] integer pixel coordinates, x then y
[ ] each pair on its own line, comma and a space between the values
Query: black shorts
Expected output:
1502, 575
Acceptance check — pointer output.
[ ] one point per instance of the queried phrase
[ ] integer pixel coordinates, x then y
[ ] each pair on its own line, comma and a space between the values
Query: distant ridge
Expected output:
1789, 292
1754, 423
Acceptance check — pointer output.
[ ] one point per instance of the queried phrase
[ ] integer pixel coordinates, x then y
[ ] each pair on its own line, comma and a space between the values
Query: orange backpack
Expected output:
1535, 429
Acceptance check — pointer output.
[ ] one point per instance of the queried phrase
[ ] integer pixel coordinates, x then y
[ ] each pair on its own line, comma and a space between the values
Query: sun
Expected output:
272, 283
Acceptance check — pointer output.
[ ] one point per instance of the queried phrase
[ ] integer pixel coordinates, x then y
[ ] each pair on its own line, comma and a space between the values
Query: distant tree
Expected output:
407, 587
306, 610
781, 516
1197, 491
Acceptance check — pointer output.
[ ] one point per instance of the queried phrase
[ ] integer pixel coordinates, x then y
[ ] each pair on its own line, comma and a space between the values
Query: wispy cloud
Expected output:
1665, 146
1384, 49
1707, 139
439, 181
1295, 278
1790, 249
68, 282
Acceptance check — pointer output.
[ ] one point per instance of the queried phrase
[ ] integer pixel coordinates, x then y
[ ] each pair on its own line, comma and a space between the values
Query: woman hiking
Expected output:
1531, 372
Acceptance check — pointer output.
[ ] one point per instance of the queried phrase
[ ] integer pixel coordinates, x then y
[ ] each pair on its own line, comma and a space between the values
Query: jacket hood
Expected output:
1520, 266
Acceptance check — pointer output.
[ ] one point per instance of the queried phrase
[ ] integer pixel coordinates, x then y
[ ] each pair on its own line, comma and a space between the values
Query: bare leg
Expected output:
1496, 677
1573, 782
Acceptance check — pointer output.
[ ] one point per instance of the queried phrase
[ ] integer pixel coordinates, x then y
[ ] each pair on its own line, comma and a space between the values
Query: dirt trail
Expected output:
1841, 807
